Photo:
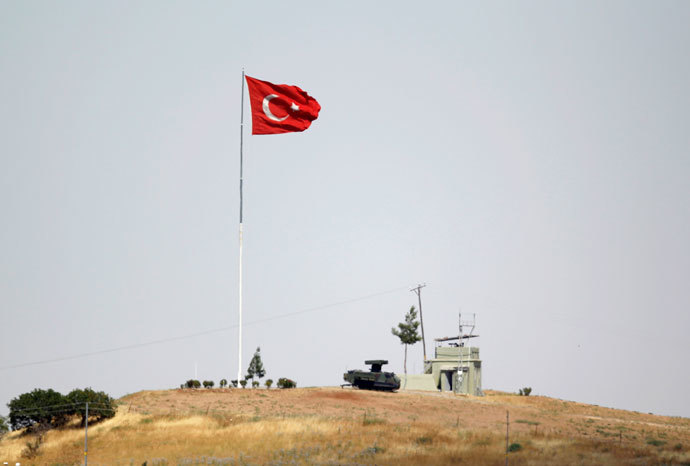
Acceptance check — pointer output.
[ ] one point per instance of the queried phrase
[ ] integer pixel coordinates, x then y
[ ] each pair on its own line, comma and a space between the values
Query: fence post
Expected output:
507, 434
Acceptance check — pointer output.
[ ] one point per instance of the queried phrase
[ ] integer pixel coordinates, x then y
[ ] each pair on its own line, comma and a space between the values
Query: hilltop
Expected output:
347, 426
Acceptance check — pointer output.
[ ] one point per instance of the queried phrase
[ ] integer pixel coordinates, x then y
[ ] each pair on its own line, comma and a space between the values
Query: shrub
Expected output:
268, 383
208, 383
514, 447
655, 442
4, 427
32, 447
528, 422
223, 383
243, 382
234, 383
525, 391
286, 383
255, 383
191, 383
373, 450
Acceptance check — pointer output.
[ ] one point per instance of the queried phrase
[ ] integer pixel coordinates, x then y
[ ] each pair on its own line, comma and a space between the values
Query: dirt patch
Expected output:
341, 395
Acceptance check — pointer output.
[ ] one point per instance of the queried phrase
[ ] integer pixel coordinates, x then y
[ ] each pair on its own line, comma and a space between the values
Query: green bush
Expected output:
223, 383
191, 383
268, 383
286, 383
243, 382
255, 383
525, 391
4, 427
208, 384
514, 447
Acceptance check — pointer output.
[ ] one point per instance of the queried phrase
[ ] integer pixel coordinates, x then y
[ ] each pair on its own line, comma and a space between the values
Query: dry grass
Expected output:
334, 426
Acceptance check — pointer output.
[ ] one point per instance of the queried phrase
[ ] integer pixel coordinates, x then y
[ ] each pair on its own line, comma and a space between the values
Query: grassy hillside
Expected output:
346, 426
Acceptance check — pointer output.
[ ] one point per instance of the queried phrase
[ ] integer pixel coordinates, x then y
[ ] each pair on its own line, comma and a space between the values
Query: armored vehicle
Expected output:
374, 379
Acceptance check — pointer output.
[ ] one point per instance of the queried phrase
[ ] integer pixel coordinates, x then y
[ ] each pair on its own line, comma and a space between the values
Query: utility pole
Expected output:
418, 291
86, 435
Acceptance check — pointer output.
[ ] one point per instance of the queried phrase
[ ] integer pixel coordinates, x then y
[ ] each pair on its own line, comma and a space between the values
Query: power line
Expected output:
64, 407
197, 334
58, 411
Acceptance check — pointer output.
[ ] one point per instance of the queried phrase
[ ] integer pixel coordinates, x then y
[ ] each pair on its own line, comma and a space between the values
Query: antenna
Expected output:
418, 291
462, 367
471, 324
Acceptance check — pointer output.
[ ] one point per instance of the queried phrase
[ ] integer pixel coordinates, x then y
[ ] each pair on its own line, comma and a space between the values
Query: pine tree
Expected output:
407, 331
256, 366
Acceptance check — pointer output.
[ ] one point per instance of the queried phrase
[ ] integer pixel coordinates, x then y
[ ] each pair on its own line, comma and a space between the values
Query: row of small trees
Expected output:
44, 409
255, 370
282, 383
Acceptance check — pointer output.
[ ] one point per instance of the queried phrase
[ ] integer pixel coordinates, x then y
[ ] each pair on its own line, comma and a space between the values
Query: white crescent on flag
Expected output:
267, 110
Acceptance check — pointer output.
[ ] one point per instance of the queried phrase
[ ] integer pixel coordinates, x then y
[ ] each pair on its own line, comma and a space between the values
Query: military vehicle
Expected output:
374, 379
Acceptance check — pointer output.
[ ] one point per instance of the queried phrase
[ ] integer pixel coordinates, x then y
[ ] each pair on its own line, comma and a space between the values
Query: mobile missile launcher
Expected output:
374, 379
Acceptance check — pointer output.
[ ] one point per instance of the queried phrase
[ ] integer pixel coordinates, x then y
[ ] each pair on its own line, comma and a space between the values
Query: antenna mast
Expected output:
418, 291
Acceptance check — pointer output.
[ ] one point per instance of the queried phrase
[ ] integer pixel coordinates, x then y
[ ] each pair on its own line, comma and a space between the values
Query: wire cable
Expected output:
198, 334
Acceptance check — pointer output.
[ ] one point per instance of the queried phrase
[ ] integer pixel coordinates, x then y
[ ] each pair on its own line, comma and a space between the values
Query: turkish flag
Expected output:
279, 108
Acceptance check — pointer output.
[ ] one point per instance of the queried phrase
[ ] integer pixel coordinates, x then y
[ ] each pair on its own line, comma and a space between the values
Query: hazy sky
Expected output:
529, 161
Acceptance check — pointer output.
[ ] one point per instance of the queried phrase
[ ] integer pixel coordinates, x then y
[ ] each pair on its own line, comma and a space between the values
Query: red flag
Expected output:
279, 108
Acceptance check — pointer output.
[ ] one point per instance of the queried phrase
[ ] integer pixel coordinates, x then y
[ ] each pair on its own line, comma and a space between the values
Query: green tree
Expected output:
4, 427
407, 331
39, 407
269, 382
101, 405
243, 382
223, 383
256, 366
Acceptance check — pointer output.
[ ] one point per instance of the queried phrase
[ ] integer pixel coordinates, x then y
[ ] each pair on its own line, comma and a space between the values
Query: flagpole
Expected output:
239, 351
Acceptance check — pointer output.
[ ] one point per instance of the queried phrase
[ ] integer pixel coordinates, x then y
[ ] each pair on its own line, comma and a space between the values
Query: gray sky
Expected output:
529, 161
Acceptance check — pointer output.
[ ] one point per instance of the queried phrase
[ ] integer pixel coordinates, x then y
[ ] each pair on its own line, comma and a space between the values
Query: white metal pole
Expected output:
239, 343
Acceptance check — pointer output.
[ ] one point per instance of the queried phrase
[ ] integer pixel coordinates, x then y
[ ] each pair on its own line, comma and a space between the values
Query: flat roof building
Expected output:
454, 368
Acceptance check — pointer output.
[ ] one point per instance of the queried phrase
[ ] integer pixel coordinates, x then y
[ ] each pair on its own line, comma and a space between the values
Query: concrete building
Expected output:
454, 368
